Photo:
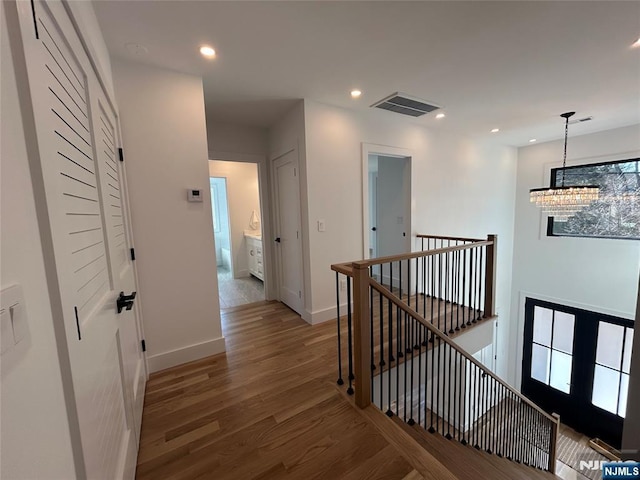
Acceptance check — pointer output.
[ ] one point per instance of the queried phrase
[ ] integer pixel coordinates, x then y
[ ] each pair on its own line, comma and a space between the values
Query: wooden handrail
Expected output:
346, 268
411, 312
440, 237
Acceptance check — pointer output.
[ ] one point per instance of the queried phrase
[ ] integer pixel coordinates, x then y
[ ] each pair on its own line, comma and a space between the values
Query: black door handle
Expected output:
125, 301
278, 239
374, 229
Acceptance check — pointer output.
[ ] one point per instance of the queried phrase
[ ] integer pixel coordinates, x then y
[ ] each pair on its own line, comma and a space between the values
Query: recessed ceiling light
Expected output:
207, 51
355, 93
495, 130
440, 115
533, 140
636, 44
136, 49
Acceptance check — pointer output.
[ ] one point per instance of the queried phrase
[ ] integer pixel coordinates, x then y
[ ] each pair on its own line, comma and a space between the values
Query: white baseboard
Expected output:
326, 314
244, 273
190, 353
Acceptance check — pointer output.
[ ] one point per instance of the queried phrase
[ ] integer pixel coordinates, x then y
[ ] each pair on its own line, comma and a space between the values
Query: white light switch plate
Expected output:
6, 332
13, 304
19, 320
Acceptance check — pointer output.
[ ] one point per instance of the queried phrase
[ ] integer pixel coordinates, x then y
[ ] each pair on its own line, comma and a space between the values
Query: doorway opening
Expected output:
237, 226
388, 210
576, 363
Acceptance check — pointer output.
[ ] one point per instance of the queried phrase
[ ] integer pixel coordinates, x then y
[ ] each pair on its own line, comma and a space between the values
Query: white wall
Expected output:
590, 273
165, 148
631, 433
460, 187
225, 139
243, 198
34, 432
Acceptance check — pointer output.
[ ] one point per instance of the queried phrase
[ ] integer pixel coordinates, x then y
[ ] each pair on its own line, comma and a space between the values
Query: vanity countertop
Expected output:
253, 234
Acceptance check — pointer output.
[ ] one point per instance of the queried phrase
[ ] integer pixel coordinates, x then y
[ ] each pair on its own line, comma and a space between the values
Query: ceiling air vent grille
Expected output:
405, 105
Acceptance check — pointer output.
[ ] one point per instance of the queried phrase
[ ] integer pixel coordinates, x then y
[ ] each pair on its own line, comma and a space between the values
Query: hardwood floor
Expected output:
270, 408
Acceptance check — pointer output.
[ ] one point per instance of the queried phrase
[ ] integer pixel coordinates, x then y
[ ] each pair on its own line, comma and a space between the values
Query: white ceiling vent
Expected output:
405, 105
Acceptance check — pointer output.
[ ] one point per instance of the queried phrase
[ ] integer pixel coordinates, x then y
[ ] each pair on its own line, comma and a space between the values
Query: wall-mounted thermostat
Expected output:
194, 195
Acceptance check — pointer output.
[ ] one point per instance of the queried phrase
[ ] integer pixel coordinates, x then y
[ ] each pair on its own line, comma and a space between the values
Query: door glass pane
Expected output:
560, 371
542, 326
624, 390
540, 363
609, 351
626, 357
563, 332
605, 388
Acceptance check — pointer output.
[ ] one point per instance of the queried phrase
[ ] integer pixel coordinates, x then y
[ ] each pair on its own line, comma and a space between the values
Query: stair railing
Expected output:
453, 285
409, 367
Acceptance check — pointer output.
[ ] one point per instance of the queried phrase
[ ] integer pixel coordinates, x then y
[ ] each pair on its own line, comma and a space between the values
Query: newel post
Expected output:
361, 335
490, 277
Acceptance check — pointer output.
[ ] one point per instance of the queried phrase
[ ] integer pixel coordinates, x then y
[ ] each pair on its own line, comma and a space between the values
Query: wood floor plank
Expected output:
269, 408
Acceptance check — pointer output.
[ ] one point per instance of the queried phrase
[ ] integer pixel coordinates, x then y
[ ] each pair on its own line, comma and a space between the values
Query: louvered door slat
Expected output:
70, 140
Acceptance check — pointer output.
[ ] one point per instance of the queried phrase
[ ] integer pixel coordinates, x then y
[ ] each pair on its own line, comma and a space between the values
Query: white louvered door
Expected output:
113, 193
88, 239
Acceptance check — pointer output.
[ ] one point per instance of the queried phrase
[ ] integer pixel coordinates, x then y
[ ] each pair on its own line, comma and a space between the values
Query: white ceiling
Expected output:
514, 65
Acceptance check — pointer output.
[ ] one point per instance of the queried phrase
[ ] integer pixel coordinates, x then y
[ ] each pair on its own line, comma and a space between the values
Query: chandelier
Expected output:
564, 202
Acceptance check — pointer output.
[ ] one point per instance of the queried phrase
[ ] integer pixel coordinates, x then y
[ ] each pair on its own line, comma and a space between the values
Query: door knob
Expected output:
278, 239
125, 301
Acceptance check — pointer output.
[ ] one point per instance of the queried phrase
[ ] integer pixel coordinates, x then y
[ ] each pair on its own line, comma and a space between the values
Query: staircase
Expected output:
402, 314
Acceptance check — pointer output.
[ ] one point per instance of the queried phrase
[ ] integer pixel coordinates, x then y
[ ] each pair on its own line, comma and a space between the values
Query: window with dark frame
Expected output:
616, 214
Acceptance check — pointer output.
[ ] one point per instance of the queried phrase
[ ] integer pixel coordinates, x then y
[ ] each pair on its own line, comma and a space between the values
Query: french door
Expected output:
576, 363
80, 188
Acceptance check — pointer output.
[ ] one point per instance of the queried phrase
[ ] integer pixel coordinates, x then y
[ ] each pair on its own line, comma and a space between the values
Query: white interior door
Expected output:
114, 195
288, 232
82, 237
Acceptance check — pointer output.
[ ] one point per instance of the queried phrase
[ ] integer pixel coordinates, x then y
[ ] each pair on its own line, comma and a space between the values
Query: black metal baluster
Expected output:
404, 364
451, 292
411, 419
447, 292
433, 378
517, 418
389, 411
424, 286
381, 305
494, 416
476, 313
482, 280
456, 423
382, 362
500, 398
439, 288
420, 329
350, 337
464, 286
476, 386
371, 330
340, 381
432, 290
390, 329
511, 428
448, 376
466, 437
470, 302
458, 301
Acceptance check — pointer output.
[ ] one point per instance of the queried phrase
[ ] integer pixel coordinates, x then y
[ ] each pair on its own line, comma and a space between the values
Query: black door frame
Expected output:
575, 409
